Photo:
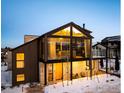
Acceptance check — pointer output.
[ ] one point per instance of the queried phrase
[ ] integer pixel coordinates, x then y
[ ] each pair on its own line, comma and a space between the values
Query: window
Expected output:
19, 64
77, 33
20, 60
78, 48
63, 32
20, 56
58, 48
20, 77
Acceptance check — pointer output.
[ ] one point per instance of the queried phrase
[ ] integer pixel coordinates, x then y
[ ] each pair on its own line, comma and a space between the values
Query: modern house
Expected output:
61, 54
98, 50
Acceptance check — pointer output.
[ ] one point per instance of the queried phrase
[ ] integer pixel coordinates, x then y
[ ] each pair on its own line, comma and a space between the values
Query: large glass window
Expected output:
42, 73
58, 48
58, 71
82, 70
77, 33
63, 32
50, 72
20, 77
20, 60
78, 48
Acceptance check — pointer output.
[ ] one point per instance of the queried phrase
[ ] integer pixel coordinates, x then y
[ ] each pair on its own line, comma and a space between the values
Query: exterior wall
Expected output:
30, 69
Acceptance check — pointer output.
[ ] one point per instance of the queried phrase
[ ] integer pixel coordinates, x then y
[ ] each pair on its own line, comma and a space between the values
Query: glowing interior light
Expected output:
20, 56
75, 30
20, 77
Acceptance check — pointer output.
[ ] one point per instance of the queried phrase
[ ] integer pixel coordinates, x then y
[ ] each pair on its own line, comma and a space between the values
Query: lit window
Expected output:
63, 32
77, 33
20, 56
20, 64
20, 60
20, 77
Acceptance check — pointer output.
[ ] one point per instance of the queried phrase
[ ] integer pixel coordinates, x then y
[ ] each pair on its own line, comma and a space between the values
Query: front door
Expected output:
58, 71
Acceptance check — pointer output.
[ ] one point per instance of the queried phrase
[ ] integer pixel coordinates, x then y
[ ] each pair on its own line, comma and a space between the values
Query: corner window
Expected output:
20, 77
20, 60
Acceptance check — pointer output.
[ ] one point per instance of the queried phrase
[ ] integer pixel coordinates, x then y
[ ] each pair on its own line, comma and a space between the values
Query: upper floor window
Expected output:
77, 33
63, 32
78, 48
58, 48
20, 60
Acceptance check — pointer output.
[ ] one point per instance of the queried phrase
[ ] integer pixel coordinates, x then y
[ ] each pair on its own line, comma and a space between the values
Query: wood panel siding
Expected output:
30, 69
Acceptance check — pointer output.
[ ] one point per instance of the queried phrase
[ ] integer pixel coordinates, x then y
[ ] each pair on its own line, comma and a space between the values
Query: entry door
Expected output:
58, 71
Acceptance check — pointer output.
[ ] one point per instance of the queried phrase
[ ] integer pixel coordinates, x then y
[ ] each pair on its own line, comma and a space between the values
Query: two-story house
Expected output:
61, 54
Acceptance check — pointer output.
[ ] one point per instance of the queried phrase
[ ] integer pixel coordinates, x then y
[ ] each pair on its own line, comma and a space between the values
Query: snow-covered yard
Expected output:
6, 76
16, 89
111, 66
101, 84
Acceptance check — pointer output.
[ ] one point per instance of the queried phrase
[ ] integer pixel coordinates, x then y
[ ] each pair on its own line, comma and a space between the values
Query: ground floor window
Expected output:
80, 69
20, 77
58, 71
62, 71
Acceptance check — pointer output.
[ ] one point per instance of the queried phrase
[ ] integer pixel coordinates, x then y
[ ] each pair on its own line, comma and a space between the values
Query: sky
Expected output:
36, 17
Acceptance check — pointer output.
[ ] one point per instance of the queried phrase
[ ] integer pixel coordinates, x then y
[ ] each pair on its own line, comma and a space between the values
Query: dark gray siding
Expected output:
30, 69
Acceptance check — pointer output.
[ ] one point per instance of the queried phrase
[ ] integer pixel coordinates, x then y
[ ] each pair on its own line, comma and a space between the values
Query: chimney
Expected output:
83, 26
28, 38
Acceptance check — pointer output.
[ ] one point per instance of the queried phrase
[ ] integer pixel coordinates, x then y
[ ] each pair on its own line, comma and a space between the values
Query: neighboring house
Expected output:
6, 57
98, 50
61, 54
112, 45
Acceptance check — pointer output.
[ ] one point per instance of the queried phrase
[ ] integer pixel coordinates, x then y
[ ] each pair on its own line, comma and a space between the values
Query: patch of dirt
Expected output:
36, 89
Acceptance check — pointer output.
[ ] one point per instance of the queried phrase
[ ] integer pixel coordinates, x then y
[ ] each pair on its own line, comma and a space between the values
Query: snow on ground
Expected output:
6, 76
4, 68
103, 84
16, 89
111, 65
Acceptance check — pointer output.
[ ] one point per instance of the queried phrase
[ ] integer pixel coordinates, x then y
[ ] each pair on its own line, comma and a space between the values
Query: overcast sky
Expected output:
35, 17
